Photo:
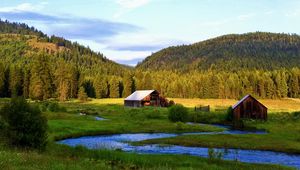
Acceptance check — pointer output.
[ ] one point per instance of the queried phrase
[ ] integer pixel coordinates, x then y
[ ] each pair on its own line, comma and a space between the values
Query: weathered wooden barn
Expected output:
249, 107
142, 98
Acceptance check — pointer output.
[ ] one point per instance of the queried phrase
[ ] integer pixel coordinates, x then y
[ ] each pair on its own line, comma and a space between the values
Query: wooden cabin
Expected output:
249, 107
142, 98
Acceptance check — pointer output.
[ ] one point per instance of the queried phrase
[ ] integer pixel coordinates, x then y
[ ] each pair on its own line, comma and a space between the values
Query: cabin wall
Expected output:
152, 100
251, 109
130, 103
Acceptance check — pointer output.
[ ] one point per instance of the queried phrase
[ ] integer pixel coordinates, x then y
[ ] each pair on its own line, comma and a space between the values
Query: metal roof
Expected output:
244, 98
139, 95
239, 102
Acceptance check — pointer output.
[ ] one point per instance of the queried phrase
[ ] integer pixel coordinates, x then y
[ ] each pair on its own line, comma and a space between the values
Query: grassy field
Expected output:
281, 137
278, 105
65, 123
274, 105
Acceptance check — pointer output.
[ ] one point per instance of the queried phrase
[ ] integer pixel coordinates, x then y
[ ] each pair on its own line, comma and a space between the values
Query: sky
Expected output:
127, 31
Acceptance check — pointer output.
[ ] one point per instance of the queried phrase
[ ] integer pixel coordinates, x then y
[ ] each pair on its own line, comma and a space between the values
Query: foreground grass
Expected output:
69, 123
64, 157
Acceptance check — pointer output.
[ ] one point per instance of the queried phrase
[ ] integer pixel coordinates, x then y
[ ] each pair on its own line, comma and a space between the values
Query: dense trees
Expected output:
40, 72
260, 50
42, 81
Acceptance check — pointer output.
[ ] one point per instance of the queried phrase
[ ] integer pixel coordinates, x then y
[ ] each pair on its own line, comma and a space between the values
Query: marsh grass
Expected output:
64, 157
283, 136
68, 124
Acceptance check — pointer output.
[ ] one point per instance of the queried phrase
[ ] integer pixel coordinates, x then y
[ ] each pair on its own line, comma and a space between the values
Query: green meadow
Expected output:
65, 121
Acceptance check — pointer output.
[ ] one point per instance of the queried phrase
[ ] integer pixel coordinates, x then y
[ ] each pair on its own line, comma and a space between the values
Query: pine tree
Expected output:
294, 83
2, 80
82, 96
26, 83
63, 79
114, 87
128, 83
41, 81
100, 84
15, 81
261, 88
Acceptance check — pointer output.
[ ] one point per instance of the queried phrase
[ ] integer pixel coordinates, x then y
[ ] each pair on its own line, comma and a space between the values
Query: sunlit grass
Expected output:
120, 119
274, 105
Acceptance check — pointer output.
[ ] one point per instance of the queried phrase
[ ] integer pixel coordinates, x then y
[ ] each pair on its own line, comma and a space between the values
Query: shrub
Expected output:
88, 111
2, 124
171, 103
53, 107
207, 117
43, 107
296, 115
178, 113
229, 116
214, 155
179, 126
238, 124
26, 126
155, 114
82, 96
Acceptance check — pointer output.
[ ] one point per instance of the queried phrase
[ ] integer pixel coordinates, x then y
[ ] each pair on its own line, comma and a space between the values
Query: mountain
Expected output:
234, 52
40, 67
19, 42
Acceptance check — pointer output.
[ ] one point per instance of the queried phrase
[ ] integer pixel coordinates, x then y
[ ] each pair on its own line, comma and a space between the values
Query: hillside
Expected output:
20, 41
264, 51
37, 66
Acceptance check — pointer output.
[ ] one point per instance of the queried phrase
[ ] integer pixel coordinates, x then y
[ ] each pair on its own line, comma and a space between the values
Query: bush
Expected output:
2, 124
296, 115
155, 114
214, 155
178, 113
55, 107
171, 103
82, 96
26, 126
43, 107
229, 115
179, 126
88, 111
51, 106
208, 117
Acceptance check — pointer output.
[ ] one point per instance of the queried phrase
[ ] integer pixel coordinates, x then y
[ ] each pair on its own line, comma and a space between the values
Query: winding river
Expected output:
121, 141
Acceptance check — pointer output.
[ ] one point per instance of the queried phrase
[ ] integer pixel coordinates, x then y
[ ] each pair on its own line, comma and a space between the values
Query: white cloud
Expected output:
24, 7
131, 4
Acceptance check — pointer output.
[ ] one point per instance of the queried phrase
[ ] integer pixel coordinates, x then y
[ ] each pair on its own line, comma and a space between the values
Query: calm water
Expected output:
99, 118
120, 141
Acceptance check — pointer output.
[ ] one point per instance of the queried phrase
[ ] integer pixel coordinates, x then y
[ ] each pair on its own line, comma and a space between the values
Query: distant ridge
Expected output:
233, 52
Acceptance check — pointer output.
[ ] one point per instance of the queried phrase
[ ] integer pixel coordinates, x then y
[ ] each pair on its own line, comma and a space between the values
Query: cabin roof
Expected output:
139, 95
244, 98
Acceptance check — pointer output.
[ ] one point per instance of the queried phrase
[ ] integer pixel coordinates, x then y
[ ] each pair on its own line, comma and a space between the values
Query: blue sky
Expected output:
127, 31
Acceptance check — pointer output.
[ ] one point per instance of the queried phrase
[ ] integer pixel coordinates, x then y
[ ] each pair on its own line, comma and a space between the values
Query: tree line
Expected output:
42, 79
77, 71
233, 52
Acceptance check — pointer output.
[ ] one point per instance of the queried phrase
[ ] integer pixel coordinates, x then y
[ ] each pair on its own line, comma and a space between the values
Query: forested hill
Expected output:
259, 50
38, 66
19, 41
